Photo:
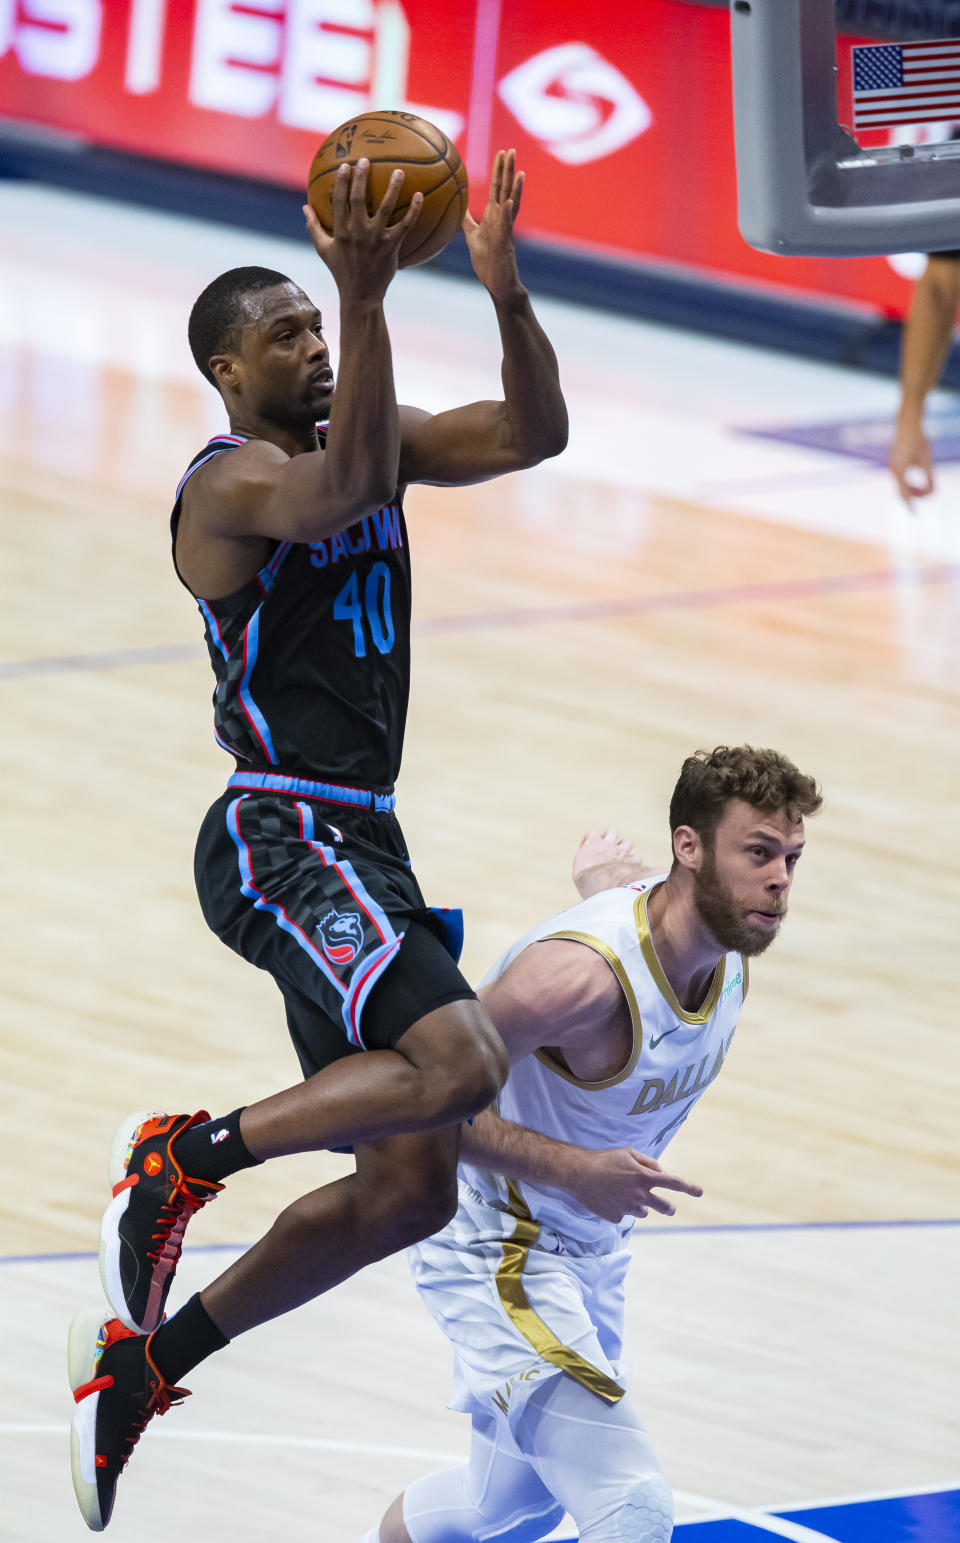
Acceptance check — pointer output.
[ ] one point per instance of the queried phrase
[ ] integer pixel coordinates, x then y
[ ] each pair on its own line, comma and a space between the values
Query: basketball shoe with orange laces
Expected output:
141, 1234
117, 1389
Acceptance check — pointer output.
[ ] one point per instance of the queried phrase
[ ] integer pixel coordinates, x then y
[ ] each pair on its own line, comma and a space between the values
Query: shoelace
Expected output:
179, 1208
162, 1397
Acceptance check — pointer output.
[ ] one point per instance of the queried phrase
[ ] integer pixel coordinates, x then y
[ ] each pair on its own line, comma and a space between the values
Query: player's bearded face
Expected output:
727, 917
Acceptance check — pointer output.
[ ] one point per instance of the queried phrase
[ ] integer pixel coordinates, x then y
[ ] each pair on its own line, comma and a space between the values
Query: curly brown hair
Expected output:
764, 778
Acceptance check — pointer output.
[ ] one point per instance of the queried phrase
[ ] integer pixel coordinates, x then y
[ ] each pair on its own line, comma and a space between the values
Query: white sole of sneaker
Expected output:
110, 1277
123, 1141
81, 1356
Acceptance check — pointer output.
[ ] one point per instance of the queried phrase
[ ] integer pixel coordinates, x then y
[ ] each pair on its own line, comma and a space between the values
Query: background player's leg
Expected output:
404, 1189
599, 1462
496, 1493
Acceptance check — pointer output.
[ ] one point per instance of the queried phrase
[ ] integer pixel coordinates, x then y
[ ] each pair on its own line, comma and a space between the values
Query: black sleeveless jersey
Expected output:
312, 656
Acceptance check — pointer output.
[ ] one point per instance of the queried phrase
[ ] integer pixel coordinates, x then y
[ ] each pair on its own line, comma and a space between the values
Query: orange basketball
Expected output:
431, 166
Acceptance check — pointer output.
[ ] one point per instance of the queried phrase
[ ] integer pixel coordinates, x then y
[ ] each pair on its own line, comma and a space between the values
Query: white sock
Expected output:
373, 1536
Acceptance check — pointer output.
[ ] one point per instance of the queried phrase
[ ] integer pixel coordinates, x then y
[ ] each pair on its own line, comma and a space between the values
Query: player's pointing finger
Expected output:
670, 1181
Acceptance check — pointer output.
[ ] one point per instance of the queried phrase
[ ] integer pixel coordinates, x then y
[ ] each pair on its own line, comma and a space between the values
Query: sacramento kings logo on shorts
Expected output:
341, 936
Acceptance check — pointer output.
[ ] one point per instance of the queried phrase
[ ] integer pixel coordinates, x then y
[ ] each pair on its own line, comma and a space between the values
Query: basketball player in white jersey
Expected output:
617, 1014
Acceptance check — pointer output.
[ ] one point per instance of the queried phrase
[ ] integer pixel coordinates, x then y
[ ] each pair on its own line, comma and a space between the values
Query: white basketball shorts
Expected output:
518, 1309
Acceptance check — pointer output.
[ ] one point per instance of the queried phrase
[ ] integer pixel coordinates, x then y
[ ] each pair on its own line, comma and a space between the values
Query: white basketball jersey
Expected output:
674, 1058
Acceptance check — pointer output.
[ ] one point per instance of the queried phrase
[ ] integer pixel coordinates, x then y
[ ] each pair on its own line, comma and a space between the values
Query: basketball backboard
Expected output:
805, 185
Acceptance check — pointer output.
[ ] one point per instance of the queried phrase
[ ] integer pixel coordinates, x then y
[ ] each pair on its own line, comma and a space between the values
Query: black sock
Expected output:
213, 1151
185, 1340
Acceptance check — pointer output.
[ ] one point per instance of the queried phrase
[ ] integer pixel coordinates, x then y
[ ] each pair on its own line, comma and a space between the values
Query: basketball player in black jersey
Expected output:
291, 537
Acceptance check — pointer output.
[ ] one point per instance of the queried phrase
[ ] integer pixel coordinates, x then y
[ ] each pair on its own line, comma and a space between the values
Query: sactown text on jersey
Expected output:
379, 532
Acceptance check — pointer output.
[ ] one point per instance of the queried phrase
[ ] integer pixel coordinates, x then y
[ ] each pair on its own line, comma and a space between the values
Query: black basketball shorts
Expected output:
320, 893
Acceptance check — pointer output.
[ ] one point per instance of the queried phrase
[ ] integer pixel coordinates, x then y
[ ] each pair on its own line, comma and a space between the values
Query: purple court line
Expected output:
111, 659
694, 599
199, 1248
852, 1226
534, 616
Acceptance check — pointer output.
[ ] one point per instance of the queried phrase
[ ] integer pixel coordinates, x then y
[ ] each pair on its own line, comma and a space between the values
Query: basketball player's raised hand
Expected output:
363, 251
491, 239
605, 860
621, 1182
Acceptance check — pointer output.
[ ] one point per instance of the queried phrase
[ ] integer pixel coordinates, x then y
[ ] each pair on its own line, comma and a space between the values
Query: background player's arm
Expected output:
612, 1183
563, 996
927, 333
606, 860
485, 439
259, 491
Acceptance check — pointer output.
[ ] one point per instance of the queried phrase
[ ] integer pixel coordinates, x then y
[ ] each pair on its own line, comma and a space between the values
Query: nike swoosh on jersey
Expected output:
656, 1039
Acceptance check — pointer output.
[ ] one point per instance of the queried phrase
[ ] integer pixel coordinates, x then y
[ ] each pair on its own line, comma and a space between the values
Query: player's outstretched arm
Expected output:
611, 1183
927, 332
486, 439
606, 860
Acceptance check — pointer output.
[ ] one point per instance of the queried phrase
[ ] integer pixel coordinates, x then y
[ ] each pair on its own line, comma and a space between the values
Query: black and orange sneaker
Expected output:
117, 1390
141, 1233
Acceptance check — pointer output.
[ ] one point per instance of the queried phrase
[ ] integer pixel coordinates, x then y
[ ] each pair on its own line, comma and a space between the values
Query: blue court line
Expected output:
712, 1227
531, 616
926, 1517
929, 1516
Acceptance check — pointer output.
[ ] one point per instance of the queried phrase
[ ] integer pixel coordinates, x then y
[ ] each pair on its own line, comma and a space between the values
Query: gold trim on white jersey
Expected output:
656, 969
600, 947
516, 1305
674, 1058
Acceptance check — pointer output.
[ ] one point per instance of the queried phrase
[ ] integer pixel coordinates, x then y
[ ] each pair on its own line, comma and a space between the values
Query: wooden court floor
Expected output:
575, 639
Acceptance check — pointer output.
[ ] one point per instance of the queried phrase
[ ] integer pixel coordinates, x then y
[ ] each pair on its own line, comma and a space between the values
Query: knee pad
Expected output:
442, 1508
599, 1462
643, 1515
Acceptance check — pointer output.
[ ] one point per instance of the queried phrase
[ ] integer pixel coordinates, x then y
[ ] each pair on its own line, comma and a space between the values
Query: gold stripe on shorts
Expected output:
516, 1305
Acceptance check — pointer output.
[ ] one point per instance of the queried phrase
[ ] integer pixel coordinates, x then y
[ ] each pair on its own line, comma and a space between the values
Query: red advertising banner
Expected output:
621, 114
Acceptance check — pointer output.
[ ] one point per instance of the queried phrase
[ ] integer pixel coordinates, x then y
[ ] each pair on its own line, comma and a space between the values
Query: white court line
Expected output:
317, 1444
249, 1438
775, 482
777, 1527
310, 1444
718, 1510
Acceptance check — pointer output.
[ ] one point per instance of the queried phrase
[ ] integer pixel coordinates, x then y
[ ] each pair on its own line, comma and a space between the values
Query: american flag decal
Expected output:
906, 83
